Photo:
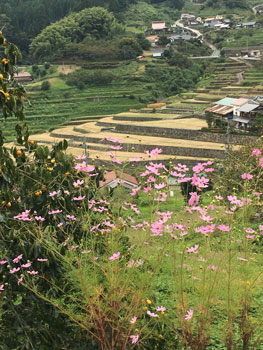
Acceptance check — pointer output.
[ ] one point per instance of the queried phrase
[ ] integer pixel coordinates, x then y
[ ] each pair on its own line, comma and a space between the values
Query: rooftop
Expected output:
227, 101
118, 175
158, 25
240, 101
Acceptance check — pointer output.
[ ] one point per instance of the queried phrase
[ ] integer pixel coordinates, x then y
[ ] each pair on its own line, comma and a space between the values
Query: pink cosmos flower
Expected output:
189, 315
26, 265
161, 308
116, 148
20, 280
40, 259
84, 167
14, 270
256, 152
212, 267
54, 211
154, 153
193, 249
39, 218
71, 217
134, 338
198, 168
78, 183
209, 170
159, 186
250, 236
133, 320
17, 259
81, 157
79, 198
135, 190
32, 272
194, 199
242, 259
157, 228
247, 176
115, 256
152, 314
224, 228
218, 197
2, 262
52, 194
2, 287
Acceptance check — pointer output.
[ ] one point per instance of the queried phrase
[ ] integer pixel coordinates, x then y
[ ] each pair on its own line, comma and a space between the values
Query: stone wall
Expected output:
141, 148
185, 134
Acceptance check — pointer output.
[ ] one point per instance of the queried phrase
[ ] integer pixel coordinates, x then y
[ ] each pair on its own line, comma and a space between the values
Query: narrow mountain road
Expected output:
216, 51
255, 8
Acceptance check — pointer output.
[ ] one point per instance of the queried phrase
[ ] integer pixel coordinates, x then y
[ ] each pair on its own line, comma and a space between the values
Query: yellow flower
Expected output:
148, 301
1, 76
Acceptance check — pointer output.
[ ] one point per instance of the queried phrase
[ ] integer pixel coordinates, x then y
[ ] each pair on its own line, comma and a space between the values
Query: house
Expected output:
157, 53
222, 26
245, 51
248, 25
153, 39
23, 77
240, 111
212, 21
180, 37
187, 17
115, 178
159, 26
223, 107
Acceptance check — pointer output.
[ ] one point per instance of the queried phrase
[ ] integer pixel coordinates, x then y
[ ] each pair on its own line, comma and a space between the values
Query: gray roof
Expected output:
248, 23
181, 37
248, 107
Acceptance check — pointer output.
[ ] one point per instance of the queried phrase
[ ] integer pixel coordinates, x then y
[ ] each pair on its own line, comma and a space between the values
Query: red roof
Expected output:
218, 109
117, 175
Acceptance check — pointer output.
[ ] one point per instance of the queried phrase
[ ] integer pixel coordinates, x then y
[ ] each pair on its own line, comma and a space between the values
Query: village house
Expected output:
245, 51
239, 111
115, 178
157, 53
159, 27
23, 77
153, 40
247, 25
212, 21
180, 37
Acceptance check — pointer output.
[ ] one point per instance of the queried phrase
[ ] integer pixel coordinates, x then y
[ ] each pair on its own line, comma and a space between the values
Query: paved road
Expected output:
215, 53
255, 8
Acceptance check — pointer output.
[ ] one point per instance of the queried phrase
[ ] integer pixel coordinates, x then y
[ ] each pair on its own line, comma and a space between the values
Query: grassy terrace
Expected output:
62, 103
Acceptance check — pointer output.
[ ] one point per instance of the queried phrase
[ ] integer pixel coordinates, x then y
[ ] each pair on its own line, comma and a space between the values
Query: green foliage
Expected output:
12, 94
173, 80
45, 85
129, 48
96, 22
94, 77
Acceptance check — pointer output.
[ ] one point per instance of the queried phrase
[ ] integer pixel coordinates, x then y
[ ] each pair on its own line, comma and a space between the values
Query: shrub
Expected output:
45, 85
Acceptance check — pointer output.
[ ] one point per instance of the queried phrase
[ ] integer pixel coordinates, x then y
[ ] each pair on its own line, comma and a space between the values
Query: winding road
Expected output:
216, 51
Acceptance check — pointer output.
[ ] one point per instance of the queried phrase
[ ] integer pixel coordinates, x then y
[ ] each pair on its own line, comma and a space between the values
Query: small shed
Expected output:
23, 77
157, 53
115, 178
159, 26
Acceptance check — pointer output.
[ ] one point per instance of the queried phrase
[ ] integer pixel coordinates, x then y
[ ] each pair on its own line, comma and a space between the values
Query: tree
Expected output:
129, 48
12, 94
95, 22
